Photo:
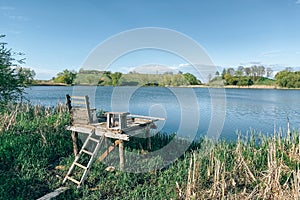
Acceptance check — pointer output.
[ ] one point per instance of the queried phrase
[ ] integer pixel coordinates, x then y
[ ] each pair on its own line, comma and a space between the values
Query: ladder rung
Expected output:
87, 152
80, 165
94, 139
73, 180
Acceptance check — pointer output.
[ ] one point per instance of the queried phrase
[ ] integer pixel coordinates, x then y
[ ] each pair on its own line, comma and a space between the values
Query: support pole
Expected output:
121, 155
74, 135
148, 138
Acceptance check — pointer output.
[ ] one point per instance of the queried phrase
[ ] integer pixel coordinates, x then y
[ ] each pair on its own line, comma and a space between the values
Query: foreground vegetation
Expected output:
36, 151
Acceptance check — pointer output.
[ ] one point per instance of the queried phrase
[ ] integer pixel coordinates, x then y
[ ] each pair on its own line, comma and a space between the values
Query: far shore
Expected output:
185, 86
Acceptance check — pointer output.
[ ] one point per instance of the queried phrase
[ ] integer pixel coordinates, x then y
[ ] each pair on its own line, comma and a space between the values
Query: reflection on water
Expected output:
245, 108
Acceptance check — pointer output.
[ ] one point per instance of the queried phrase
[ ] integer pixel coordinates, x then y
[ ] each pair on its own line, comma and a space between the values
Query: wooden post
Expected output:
148, 138
121, 155
74, 134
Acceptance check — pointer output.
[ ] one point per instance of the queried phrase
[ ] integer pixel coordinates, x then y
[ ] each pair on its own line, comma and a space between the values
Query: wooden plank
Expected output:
80, 102
94, 139
146, 117
78, 97
105, 154
53, 194
76, 112
80, 165
121, 155
141, 127
109, 134
81, 129
87, 152
73, 180
80, 121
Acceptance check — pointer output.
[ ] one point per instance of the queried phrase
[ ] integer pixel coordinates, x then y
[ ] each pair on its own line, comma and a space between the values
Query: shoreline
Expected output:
270, 87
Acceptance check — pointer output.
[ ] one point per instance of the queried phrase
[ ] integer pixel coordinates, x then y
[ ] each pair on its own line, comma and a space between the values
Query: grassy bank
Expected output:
36, 151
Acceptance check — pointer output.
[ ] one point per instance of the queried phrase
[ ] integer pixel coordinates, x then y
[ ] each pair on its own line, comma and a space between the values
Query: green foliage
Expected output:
265, 81
191, 79
115, 78
13, 79
30, 148
35, 143
237, 80
66, 77
288, 79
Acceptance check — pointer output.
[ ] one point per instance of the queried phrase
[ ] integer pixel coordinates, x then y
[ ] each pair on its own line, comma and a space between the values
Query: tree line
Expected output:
107, 78
244, 76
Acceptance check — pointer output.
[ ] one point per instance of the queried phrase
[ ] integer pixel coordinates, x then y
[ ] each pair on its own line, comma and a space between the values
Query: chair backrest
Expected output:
79, 108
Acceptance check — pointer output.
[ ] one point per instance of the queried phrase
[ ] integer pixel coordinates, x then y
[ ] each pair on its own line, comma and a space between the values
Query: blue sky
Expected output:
55, 35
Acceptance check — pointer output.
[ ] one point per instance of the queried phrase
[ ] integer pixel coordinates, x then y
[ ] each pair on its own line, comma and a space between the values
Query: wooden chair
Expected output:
80, 111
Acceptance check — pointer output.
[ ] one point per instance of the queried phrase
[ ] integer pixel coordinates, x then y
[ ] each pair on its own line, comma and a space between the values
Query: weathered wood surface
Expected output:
121, 155
98, 132
53, 194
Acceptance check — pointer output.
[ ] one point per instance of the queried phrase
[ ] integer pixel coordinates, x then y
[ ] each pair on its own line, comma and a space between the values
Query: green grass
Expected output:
265, 81
36, 152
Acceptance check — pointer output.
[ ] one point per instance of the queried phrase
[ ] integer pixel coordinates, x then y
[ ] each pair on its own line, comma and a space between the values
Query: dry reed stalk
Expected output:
296, 185
179, 191
273, 189
193, 175
44, 137
215, 191
10, 118
241, 163
210, 167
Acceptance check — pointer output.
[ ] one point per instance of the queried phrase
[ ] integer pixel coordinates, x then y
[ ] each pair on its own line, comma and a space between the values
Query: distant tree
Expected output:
13, 79
209, 77
261, 71
269, 71
223, 73
191, 79
217, 73
240, 71
230, 71
116, 78
288, 79
244, 81
289, 69
247, 71
66, 76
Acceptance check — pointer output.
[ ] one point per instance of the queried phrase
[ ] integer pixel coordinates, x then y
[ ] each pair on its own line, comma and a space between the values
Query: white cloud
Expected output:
273, 53
153, 69
184, 65
17, 17
6, 8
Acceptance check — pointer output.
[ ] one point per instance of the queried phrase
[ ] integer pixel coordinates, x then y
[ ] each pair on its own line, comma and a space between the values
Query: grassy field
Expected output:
36, 152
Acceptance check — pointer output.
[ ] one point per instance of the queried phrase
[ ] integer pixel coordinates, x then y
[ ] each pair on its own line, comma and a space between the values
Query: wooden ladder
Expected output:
90, 162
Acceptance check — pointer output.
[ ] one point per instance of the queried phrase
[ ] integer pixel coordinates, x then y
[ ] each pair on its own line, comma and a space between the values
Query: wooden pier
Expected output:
118, 125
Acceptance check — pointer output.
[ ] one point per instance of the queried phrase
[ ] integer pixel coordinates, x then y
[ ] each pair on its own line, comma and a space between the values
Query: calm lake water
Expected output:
190, 110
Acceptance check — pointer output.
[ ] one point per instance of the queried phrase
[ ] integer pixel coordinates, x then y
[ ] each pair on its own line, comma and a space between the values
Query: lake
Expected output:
190, 112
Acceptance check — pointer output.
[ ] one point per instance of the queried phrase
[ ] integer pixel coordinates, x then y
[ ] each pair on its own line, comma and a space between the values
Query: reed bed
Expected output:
36, 151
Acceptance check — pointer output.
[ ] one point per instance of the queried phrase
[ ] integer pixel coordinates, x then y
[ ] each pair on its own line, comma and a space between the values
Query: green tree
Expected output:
287, 78
191, 79
66, 76
116, 78
223, 73
13, 79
